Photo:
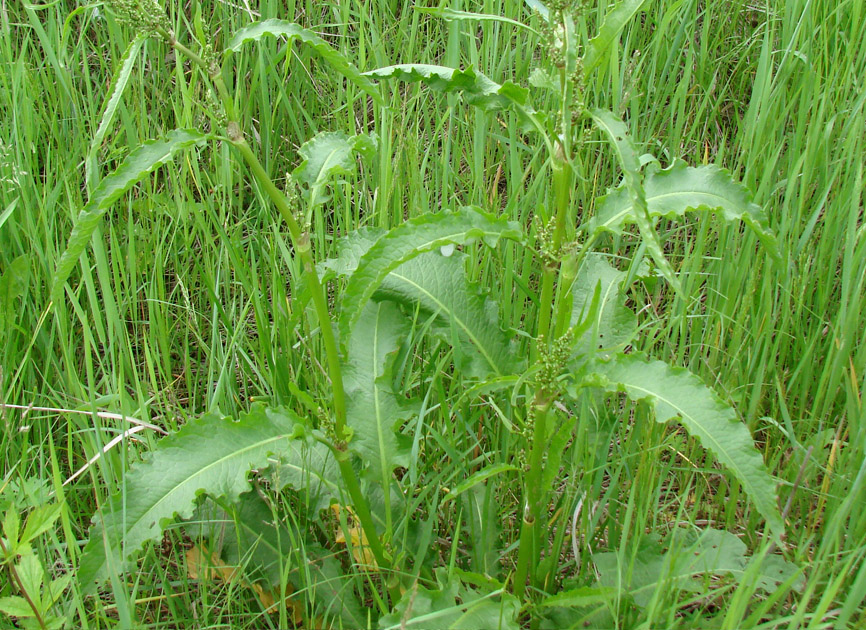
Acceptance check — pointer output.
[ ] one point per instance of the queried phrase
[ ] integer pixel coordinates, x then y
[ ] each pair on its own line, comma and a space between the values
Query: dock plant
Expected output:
344, 458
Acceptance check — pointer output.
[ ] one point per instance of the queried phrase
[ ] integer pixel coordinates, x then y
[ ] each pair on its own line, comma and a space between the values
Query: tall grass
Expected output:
180, 305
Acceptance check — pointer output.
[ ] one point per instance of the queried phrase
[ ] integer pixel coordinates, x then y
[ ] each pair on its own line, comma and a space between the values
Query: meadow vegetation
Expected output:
563, 325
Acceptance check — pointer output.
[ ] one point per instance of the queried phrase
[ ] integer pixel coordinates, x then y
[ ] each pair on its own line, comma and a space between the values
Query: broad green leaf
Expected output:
615, 20
332, 590
266, 549
450, 14
109, 108
12, 527
684, 561
617, 134
774, 571
309, 467
539, 7
40, 521
374, 410
55, 589
614, 325
15, 606
329, 154
438, 284
209, 455
245, 536
541, 78
580, 597
350, 249
31, 575
554, 448
477, 88
291, 31
50, 623
678, 189
676, 393
453, 606
142, 161
410, 239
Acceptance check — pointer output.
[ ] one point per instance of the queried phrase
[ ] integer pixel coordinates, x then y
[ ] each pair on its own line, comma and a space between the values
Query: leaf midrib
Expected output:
383, 464
743, 478
198, 473
456, 318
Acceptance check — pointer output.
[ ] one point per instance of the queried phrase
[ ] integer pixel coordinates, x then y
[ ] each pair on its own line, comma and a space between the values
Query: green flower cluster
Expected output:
552, 361
145, 15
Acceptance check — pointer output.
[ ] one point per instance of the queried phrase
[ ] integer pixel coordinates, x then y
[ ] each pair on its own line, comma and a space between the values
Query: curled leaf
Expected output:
141, 162
410, 239
291, 31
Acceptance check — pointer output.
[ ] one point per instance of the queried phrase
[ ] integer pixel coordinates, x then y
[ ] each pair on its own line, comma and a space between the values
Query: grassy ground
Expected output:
180, 304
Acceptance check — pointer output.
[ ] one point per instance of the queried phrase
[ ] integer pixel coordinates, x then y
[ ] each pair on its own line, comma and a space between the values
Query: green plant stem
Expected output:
169, 37
551, 285
524, 553
562, 196
548, 283
301, 243
562, 199
567, 275
300, 238
365, 517
530, 528
15, 578
567, 270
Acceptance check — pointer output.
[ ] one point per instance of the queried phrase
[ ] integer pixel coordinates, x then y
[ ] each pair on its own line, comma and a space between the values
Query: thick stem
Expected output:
567, 274
551, 285
530, 528
524, 553
548, 282
562, 198
562, 192
365, 517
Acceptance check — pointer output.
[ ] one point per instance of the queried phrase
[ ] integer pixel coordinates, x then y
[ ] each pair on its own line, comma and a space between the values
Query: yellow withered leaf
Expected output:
361, 550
